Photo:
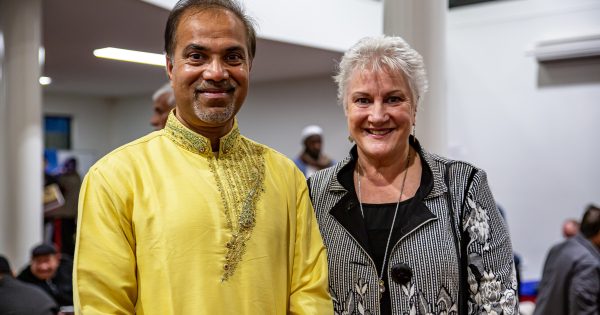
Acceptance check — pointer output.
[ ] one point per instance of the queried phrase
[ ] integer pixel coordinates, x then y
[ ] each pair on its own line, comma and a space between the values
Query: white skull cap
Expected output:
312, 130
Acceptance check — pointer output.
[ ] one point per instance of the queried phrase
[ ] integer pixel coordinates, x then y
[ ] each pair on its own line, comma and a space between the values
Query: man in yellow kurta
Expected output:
196, 218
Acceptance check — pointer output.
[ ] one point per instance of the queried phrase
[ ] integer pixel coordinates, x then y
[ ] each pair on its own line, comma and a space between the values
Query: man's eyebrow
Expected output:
235, 48
197, 47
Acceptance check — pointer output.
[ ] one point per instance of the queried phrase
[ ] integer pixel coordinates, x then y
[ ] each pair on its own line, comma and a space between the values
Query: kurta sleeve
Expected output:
105, 264
309, 285
491, 270
585, 289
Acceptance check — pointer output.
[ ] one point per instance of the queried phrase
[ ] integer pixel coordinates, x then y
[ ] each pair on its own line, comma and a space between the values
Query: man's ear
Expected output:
169, 67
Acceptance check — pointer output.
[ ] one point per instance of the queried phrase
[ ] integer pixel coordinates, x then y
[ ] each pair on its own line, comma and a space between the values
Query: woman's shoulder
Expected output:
439, 163
327, 175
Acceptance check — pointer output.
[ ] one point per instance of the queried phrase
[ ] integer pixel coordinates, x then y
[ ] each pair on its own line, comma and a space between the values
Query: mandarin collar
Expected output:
197, 143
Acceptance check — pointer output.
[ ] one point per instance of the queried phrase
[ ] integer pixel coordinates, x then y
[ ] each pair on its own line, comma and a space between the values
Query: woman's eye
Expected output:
362, 101
395, 99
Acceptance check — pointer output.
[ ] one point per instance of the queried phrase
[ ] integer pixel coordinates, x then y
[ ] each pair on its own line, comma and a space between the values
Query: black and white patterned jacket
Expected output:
427, 243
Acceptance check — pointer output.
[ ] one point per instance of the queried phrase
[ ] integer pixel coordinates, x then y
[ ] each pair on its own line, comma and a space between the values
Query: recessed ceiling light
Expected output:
130, 56
45, 80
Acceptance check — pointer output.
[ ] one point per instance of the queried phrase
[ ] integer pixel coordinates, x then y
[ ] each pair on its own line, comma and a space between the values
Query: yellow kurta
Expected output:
165, 227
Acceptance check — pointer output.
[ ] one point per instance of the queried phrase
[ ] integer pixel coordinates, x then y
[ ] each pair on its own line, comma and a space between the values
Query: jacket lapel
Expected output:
346, 211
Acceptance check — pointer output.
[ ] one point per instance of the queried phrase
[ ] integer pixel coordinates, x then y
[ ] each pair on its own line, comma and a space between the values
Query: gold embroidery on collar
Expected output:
240, 180
239, 173
197, 143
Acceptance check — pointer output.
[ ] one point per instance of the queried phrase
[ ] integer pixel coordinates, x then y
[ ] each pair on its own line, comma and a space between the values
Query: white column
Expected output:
21, 118
422, 23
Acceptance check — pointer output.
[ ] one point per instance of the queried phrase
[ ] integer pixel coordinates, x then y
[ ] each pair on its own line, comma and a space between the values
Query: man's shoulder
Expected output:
571, 250
130, 151
18, 291
275, 158
22, 286
26, 275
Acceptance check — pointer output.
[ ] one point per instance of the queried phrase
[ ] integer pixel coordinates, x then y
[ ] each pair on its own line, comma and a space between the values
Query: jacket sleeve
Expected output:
309, 280
585, 289
491, 270
105, 264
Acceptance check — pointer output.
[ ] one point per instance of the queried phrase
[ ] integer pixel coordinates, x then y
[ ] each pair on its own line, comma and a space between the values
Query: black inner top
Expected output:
378, 221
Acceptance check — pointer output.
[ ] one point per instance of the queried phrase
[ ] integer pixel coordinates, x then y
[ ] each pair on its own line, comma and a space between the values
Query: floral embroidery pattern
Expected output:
444, 304
477, 225
487, 294
346, 307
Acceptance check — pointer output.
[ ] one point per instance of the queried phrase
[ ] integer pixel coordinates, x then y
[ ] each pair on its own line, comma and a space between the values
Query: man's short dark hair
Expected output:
590, 224
232, 6
42, 250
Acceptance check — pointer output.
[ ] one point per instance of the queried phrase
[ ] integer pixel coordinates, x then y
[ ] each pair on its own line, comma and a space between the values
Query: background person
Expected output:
570, 282
390, 213
19, 298
196, 218
50, 272
64, 218
570, 228
312, 159
163, 102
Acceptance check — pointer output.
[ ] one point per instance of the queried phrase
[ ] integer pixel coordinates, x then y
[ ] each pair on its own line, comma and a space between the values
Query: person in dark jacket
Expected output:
50, 272
571, 279
18, 298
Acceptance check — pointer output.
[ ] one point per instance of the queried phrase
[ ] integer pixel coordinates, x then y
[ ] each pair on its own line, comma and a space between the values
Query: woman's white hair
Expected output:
383, 53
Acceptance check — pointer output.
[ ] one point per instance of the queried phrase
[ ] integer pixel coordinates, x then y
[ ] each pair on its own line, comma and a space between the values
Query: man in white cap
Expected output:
311, 159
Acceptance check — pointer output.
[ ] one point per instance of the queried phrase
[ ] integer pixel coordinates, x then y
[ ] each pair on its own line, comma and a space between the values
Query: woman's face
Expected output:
380, 112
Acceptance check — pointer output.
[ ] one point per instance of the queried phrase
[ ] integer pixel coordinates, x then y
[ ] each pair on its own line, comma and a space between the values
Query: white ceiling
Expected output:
72, 29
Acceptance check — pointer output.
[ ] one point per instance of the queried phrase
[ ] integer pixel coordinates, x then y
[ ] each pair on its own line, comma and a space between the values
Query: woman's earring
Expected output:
350, 139
414, 132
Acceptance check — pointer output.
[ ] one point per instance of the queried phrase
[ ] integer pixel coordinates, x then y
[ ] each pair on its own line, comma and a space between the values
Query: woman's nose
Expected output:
378, 113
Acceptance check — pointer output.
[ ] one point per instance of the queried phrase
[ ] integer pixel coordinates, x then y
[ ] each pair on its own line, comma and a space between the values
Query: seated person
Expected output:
50, 272
22, 298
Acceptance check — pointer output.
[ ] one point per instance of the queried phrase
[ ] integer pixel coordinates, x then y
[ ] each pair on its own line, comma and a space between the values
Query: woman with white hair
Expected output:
406, 231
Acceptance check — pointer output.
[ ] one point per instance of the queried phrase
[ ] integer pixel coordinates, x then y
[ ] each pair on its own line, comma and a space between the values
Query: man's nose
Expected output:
216, 71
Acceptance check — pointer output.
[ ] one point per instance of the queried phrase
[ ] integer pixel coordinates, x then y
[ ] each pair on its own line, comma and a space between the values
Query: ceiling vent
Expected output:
583, 46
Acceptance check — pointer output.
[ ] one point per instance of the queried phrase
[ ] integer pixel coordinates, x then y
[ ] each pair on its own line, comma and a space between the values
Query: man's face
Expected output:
44, 267
209, 68
161, 112
313, 145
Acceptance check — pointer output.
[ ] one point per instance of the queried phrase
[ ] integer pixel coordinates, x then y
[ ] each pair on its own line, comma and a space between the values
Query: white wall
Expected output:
100, 125
276, 112
91, 120
4, 164
130, 119
532, 127
329, 24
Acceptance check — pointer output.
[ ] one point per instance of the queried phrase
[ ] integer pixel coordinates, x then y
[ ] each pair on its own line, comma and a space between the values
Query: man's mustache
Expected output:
207, 86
